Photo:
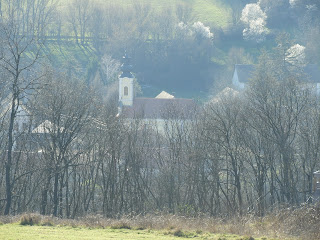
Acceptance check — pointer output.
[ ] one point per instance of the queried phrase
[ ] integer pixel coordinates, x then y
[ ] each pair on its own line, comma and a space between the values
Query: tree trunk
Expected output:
9, 157
55, 194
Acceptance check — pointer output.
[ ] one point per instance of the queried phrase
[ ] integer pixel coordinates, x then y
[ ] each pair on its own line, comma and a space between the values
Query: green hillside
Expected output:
82, 59
212, 12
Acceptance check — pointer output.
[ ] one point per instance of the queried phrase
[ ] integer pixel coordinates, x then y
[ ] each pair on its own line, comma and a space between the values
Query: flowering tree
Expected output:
110, 67
255, 20
198, 30
183, 29
293, 2
295, 55
201, 30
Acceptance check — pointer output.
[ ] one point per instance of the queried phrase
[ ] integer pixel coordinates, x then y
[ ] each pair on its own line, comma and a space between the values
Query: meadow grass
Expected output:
60, 54
212, 12
285, 225
15, 231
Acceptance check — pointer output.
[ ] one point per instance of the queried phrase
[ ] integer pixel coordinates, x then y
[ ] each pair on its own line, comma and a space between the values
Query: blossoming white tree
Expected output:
110, 67
295, 55
255, 20
198, 30
201, 30
293, 2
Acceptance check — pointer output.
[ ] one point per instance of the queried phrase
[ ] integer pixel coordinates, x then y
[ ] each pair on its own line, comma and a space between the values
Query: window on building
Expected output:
125, 91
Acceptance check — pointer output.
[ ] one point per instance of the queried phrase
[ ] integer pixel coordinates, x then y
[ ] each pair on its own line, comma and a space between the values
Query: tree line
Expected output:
65, 151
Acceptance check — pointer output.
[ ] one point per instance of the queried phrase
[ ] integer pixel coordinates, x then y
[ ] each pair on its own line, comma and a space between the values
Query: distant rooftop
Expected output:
46, 127
224, 94
165, 95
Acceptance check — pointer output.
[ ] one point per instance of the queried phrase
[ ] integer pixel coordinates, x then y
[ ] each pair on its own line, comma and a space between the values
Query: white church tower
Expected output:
126, 93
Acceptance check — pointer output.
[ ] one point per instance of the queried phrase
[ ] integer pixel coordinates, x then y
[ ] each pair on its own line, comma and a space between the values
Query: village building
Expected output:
23, 115
243, 73
156, 110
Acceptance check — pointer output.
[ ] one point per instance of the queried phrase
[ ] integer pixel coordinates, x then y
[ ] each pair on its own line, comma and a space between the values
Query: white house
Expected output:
23, 116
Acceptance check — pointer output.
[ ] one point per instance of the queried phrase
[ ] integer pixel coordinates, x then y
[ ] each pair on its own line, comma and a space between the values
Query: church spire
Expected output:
126, 66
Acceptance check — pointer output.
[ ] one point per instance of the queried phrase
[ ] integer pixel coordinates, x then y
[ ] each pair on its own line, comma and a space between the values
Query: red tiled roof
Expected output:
155, 108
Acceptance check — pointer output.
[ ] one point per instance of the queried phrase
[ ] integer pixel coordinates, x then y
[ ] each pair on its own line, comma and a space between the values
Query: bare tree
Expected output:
225, 117
308, 145
32, 16
184, 13
19, 55
110, 67
63, 108
79, 14
97, 23
142, 13
279, 103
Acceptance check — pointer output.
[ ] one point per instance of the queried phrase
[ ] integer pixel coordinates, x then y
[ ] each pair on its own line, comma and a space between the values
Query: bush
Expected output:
140, 228
248, 238
178, 233
30, 219
121, 225
47, 222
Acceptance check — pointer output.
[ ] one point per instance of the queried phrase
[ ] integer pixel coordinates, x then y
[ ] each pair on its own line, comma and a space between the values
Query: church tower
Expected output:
126, 83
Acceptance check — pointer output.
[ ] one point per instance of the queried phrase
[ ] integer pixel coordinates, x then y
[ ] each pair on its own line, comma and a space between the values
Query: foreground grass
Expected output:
16, 231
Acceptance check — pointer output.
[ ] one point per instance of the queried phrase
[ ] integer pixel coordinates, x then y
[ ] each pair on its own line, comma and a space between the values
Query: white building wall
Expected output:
126, 100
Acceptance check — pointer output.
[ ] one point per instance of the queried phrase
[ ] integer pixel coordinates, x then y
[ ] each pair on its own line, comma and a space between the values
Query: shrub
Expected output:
178, 233
30, 219
140, 228
248, 238
121, 225
47, 222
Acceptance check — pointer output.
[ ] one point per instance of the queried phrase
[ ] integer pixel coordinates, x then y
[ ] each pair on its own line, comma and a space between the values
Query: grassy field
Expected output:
16, 231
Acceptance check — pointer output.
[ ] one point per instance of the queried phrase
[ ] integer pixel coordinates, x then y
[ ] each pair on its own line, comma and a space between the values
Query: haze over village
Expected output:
160, 119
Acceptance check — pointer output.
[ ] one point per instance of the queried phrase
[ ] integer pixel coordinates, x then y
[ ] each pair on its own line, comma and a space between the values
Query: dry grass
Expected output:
302, 223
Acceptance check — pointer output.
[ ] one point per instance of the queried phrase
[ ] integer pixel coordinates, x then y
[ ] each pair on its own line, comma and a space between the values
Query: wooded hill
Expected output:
186, 47
138, 27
